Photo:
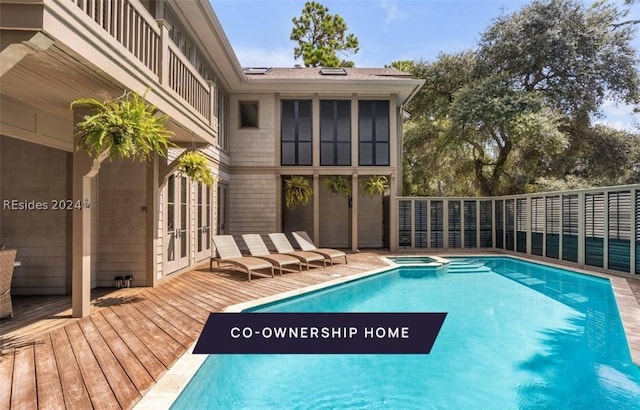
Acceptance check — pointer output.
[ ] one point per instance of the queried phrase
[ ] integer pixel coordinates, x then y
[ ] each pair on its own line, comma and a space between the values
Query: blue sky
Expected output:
388, 30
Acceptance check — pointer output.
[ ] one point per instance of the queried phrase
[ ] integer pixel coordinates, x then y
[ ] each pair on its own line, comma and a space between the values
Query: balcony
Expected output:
58, 50
130, 24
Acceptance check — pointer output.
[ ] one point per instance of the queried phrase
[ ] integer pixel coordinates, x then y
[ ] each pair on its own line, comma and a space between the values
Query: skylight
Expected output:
256, 70
333, 71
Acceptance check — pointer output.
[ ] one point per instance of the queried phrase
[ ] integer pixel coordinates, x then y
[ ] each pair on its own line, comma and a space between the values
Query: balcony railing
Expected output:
594, 227
131, 25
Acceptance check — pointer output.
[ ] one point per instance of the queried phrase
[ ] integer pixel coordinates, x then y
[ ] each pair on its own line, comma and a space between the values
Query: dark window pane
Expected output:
248, 114
382, 154
326, 121
365, 154
304, 121
365, 121
304, 153
326, 153
288, 153
344, 154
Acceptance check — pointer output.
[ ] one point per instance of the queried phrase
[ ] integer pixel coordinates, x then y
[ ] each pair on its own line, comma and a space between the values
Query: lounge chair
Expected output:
258, 249
7, 260
306, 244
283, 246
228, 252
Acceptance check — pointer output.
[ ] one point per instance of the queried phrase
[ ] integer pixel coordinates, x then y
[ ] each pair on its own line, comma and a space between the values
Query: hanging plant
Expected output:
194, 165
338, 185
297, 191
125, 127
376, 185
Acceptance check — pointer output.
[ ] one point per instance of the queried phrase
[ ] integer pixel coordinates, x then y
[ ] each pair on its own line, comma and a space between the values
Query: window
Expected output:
295, 132
248, 114
335, 132
222, 100
373, 132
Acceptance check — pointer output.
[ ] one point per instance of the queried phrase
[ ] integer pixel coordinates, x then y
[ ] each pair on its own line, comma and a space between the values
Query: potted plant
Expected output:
124, 127
338, 185
194, 165
375, 185
297, 191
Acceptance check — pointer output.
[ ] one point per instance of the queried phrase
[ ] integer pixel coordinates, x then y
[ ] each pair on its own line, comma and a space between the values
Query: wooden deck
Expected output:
132, 336
110, 359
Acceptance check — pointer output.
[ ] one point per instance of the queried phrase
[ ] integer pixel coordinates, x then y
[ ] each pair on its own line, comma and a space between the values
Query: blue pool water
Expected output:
517, 336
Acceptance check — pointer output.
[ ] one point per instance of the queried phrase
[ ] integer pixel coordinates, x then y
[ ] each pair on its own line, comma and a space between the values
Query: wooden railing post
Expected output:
163, 52
212, 106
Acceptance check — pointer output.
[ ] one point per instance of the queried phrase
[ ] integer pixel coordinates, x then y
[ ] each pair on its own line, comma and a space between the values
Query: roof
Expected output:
318, 73
328, 81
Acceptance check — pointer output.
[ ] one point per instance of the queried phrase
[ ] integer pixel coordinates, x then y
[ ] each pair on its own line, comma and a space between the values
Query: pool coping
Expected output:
164, 393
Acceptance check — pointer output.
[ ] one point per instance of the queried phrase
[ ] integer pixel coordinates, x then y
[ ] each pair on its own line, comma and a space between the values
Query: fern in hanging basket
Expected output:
125, 127
194, 165
338, 185
297, 192
376, 185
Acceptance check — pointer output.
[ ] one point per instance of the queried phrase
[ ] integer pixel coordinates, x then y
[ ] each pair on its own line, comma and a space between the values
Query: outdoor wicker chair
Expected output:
7, 259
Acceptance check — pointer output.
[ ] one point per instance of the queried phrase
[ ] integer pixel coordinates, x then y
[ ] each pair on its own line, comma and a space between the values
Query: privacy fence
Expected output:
592, 227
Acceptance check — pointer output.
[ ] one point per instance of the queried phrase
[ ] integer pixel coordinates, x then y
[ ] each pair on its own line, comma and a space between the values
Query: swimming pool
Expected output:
517, 335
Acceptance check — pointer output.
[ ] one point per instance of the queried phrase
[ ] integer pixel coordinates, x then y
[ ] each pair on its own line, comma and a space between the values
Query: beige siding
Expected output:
121, 232
370, 221
252, 204
252, 146
335, 219
36, 174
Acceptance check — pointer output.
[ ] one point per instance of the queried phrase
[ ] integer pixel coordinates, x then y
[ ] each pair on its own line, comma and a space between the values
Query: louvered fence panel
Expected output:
619, 208
552, 223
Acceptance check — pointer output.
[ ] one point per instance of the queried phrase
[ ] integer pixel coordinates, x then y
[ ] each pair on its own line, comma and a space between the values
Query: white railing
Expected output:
597, 227
131, 25
188, 83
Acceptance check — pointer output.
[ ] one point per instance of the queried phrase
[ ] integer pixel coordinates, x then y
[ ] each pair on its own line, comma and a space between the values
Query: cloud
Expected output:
261, 57
392, 11
620, 116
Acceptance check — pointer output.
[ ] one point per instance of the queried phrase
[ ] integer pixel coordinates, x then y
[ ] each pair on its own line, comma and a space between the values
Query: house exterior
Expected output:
79, 222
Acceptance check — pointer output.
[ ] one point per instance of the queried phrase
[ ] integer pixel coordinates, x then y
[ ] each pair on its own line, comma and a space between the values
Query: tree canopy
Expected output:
321, 36
516, 114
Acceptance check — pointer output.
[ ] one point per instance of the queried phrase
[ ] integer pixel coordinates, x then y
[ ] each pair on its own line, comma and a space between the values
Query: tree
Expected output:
321, 36
519, 108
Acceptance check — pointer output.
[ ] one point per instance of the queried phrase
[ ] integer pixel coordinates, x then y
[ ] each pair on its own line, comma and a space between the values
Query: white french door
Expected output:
221, 211
203, 221
177, 223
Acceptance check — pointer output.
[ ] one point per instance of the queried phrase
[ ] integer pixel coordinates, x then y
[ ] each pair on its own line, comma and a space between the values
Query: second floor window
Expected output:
335, 132
295, 132
373, 132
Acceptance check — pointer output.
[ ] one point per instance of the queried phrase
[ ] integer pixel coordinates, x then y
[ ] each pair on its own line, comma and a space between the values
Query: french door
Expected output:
203, 221
177, 223
221, 211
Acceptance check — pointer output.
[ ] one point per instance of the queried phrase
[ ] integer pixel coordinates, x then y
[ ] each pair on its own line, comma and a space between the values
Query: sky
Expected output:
387, 30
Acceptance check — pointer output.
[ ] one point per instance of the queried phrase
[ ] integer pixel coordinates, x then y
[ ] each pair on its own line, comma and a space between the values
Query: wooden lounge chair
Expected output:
258, 249
283, 246
306, 244
7, 259
228, 252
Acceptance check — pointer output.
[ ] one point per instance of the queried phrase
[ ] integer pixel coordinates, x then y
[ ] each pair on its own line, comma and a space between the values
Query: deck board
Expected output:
156, 340
135, 371
147, 359
113, 372
50, 394
75, 393
23, 394
97, 386
6, 376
